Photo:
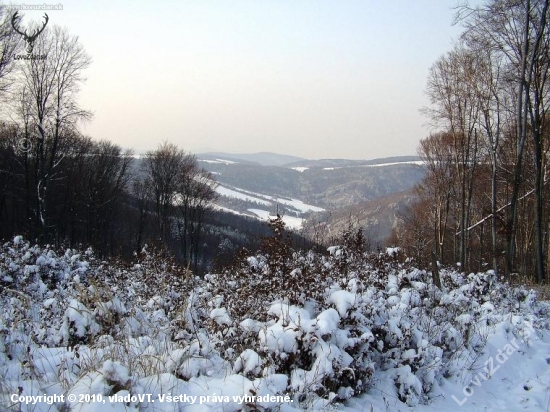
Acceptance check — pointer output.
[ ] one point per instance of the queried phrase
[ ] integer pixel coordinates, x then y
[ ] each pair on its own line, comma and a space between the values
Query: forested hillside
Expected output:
484, 200
329, 187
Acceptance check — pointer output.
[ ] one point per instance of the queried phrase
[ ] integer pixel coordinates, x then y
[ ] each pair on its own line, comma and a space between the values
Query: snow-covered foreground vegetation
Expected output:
311, 331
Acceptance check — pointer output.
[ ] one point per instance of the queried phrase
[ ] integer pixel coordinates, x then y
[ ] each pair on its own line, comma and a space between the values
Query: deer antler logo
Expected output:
28, 39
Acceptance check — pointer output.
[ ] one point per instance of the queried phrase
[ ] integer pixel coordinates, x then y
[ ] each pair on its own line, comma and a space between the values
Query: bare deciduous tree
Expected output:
518, 30
163, 168
49, 108
452, 89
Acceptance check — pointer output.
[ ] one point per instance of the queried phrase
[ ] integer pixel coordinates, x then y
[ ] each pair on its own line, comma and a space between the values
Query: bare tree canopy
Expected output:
487, 164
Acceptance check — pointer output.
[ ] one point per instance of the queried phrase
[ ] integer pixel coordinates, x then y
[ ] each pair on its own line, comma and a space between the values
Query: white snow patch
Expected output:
218, 161
413, 162
221, 316
343, 300
224, 191
290, 221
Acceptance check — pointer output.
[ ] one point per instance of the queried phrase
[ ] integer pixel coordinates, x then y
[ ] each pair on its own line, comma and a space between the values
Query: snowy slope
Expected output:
510, 375
291, 209
292, 222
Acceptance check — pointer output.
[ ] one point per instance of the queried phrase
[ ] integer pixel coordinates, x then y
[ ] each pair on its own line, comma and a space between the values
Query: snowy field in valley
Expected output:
296, 206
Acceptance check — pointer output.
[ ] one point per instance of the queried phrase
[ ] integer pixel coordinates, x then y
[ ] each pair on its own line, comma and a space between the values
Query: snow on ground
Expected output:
297, 204
414, 162
224, 191
330, 332
300, 168
218, 161
225, 209
509, 375
291, 222
267, 200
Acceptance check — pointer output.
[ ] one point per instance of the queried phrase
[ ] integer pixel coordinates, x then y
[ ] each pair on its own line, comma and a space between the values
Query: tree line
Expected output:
58, 186
484, 200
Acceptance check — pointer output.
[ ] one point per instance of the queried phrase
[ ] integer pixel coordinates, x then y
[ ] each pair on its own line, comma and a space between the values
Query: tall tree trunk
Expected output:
494, 211
521, 119
539, 233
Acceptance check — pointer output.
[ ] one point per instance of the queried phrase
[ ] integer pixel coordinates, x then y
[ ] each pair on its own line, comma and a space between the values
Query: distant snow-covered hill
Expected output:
334, 186
262, 158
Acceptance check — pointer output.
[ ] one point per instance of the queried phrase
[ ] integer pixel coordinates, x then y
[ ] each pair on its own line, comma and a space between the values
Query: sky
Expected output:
310, 78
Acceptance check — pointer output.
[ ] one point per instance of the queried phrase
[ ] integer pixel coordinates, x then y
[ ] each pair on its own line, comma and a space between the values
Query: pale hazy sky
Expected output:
311, 78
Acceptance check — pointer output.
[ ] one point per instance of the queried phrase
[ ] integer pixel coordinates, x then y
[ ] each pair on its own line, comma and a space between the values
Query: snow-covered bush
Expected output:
316, 326
329, 322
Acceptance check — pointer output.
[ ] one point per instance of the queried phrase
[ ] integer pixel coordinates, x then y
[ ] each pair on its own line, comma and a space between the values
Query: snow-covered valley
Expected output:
290, 209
